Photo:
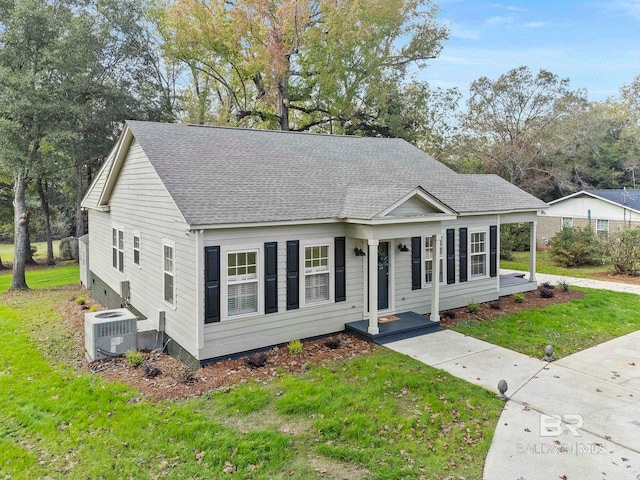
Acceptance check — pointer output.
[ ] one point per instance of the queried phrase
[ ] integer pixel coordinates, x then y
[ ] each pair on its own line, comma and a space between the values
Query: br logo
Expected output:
556, 425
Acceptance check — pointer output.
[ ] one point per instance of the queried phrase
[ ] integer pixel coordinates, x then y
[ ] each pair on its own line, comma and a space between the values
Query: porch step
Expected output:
411, 324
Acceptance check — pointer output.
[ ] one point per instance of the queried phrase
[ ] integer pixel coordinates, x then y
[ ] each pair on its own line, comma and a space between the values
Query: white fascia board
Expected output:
424, 195
121, 150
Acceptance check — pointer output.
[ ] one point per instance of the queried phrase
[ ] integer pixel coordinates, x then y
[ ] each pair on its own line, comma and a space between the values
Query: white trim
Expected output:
602, 220
329, 243
171, 244
443, 256
562, 219
424, 195
224, 280
584, 192
121, 263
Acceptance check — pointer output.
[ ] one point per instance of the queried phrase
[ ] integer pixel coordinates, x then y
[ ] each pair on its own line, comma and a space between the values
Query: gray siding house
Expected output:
239, 239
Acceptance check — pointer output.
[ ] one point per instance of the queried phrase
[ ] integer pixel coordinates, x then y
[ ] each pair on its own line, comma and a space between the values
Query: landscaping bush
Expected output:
473, 307
564, 286
332, 343
81, 300
495, 305
573, 247
518, 297
134, 358
545, 292
295, 347
149, 371
450, 314
257, 360
622, 250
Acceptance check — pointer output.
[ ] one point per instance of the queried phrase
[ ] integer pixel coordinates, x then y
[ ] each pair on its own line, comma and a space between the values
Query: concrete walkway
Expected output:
577, 418
581, 282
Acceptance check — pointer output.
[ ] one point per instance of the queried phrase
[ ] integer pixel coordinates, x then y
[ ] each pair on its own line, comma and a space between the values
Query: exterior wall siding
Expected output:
140, 203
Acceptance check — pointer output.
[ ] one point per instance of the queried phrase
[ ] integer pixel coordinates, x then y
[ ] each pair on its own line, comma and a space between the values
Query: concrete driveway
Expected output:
577, 418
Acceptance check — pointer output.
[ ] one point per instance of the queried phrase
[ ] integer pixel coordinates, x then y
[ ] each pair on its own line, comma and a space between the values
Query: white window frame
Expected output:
136, 235
484, 253
257, 280
600, 230
171, 272
566, 222
328, 270
425, 259
117, 248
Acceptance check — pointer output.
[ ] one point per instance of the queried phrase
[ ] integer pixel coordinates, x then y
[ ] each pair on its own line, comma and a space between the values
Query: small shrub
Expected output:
495, 305
450, 314
564, 286
573, 247
473, 307
545, 292
333, 343
186, 375
149, 371
518, 297
295, 347
257, 360
93, 308
134, 358
81, 300
548, 285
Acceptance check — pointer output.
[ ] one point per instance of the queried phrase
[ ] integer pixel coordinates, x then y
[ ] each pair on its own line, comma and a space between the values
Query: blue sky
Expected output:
596, 44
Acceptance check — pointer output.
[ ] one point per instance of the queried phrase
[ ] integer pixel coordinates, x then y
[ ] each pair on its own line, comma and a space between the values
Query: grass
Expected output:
595, 318
380, 416
65, 273
545, 264
6, 250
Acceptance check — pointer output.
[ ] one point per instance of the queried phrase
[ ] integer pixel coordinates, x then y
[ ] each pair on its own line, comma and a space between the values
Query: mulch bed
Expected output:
175, 381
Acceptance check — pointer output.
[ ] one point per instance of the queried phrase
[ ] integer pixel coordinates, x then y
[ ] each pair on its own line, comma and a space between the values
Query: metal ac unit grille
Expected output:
115, 328
110, 333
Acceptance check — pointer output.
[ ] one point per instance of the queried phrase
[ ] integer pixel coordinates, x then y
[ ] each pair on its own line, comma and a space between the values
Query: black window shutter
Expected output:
493, 251
341, 273
463, 254
451, 256
416, 263
293, 274
271, 277
211, 284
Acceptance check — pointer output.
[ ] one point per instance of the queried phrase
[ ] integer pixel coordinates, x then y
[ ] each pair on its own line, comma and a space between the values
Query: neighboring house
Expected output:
241, 239
604, 210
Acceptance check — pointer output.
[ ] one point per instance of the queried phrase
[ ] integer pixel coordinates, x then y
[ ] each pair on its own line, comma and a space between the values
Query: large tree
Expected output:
297, 64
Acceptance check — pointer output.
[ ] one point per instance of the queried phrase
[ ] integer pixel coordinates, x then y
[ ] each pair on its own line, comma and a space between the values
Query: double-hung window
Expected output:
169, 273
567, 222
316, 273
136, 249
242, 282
478, 252
602, 226
117, 249
429, 247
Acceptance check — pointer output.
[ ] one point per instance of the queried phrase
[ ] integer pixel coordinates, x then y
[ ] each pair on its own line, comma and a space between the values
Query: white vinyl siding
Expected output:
478, 254
117, 249
567, 222
169, 274
316, 273
602, 226
429, 246
136, 248
242, 283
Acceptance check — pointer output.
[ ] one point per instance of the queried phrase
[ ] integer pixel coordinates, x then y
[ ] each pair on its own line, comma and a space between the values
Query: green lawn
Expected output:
597, 317
380, 416
6, 250
65, 273
545, 264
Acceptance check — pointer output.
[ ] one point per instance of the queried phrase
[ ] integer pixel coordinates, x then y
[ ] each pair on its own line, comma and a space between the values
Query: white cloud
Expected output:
535, 24
493, 21
628, 7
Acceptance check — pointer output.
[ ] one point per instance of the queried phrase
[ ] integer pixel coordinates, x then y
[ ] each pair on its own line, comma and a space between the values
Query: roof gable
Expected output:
623, 198
224, 176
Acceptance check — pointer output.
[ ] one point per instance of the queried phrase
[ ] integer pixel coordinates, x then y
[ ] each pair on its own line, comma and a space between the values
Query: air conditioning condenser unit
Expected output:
110, 333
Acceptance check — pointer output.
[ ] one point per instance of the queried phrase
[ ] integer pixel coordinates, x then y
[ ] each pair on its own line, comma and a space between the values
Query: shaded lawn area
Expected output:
65, 273
6, 250
379, 416
546, 264
600, 315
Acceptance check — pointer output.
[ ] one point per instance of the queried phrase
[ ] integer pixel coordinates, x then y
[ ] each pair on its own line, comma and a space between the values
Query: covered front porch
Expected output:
401, 325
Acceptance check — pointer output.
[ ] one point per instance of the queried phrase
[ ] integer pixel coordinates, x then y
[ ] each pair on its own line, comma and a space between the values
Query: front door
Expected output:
383, 275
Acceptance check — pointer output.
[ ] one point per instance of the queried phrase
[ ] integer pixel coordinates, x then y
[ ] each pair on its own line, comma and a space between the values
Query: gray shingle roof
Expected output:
628, 198
220, 175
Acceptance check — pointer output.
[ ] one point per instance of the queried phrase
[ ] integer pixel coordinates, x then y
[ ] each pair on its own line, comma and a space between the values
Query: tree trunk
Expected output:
2, 265
80, 223
44, 203
283, 104
30, 259
21, 224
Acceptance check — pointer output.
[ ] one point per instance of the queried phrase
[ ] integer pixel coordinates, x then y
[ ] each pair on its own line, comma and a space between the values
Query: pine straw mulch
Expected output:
176, 381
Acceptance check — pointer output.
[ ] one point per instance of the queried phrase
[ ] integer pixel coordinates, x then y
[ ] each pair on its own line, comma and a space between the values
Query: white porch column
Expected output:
435, 280
532, 250
373, 287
